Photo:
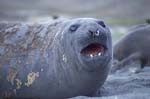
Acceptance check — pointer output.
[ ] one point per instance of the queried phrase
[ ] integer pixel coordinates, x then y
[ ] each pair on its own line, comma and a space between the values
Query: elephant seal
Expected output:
133, 50
57, 61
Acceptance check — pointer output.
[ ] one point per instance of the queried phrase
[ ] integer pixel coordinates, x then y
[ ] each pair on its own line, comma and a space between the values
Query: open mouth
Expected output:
94, 49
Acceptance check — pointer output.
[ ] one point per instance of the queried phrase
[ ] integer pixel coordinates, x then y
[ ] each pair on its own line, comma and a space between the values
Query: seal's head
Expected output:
89, 43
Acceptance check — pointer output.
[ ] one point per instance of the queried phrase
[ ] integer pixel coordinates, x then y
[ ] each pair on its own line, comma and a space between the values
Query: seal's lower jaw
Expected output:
94, 57
93, 50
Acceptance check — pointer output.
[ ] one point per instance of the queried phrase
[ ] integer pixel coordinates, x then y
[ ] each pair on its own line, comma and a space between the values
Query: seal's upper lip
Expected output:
93, 49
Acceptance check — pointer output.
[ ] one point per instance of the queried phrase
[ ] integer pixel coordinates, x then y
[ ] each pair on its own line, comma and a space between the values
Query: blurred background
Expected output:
118, 14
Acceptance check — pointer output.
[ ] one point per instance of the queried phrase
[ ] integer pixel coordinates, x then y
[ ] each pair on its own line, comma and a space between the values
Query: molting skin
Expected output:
63, 60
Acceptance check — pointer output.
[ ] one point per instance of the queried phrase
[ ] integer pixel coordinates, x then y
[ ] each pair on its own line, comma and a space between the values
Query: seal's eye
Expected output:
74, 27
102, 23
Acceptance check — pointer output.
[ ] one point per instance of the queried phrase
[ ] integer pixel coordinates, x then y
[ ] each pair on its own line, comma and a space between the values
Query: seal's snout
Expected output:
93, 50
96, 33
95, 44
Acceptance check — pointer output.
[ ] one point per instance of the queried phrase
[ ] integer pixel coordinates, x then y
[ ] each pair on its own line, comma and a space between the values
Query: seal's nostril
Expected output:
97, 33
91, 33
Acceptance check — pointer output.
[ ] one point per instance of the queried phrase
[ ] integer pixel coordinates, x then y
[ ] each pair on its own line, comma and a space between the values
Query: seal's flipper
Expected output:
135, 66
132, 63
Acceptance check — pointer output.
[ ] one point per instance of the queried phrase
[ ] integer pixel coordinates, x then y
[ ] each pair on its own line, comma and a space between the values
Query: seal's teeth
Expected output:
99, 54
91, 55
